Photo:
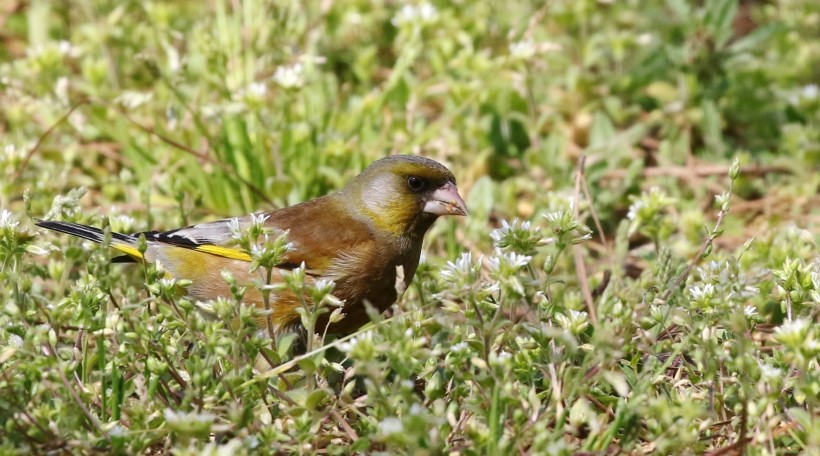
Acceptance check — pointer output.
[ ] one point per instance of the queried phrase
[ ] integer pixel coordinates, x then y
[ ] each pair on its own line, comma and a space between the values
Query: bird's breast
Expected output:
368, 275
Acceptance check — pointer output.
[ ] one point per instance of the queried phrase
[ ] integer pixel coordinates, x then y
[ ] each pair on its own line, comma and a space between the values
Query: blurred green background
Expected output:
226, 107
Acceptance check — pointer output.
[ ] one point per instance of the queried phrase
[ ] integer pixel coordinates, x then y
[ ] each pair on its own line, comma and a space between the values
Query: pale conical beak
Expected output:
445, 201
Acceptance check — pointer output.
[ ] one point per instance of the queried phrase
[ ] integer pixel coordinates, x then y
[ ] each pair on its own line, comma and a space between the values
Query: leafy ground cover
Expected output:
639, 272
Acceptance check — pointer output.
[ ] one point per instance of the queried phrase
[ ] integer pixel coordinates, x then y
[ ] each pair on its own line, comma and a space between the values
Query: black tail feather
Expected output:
83, 231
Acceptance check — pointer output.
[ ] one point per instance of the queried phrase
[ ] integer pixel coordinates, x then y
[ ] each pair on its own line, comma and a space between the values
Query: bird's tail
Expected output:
124, 243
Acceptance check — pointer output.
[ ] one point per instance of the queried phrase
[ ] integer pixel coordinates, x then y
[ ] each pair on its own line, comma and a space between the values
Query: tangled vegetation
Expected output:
639, 272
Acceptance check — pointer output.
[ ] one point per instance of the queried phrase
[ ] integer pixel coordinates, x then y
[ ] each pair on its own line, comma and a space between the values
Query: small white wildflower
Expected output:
554, 216
750, 311
61, 89
723, 199
174, 59
259, 219
122, 222
290, 77
810, 92
513, 260
390, 426
427, 12
182, 418
252, 94
233, 228
132, 99
351, 344
769, 372
527, 48
167, 283
258, 250
634, 209
644, 39
705, 292
9, 150
257, 88
463, 264
15, 341
795, 327
749, 291
523, 50
424, 13
324, 285
462, 270
715, 267
7, 220
67, 49
519, 261
459, 347
498, 233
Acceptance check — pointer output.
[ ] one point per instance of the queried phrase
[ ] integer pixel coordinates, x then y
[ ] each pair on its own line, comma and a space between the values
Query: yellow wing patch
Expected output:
227, 252
128, 250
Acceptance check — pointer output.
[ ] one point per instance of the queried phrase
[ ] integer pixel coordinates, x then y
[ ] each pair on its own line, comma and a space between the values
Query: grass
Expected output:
639, 272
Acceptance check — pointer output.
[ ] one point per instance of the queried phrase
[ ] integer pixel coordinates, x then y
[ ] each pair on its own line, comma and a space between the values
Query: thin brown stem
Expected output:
580, 267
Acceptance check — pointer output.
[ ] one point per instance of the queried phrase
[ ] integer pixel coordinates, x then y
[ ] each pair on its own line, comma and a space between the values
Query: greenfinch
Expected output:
356, 237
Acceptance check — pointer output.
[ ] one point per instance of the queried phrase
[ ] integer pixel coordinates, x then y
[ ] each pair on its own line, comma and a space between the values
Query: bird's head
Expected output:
404, 194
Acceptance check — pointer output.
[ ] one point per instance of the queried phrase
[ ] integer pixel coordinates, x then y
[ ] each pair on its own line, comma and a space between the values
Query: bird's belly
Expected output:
354, 289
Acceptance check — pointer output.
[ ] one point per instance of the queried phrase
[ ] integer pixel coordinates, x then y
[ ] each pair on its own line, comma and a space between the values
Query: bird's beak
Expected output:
445, 201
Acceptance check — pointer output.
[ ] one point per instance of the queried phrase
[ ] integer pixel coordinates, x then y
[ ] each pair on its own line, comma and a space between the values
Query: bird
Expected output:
357, 237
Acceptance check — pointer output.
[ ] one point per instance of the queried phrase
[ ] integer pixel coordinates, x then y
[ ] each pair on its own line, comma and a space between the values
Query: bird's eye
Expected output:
415, 183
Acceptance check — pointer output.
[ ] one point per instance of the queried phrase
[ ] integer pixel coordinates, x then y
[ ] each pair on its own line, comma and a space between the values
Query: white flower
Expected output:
324, 285
459, 347
7, 220
9, 150
769, 372
424, 13
253, 93
349, 346
233, 227
527, 48
259, 219
122, 222
511, 259
259, 250
15, 341
257, 88
644, 39
61, 88
66, 48
698, 293
523, 50
554, 216
290, 77
132, 99
462, 270
390, 426
796, 327
634, 209
183, 418
750, 311
810, 92
576, 322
